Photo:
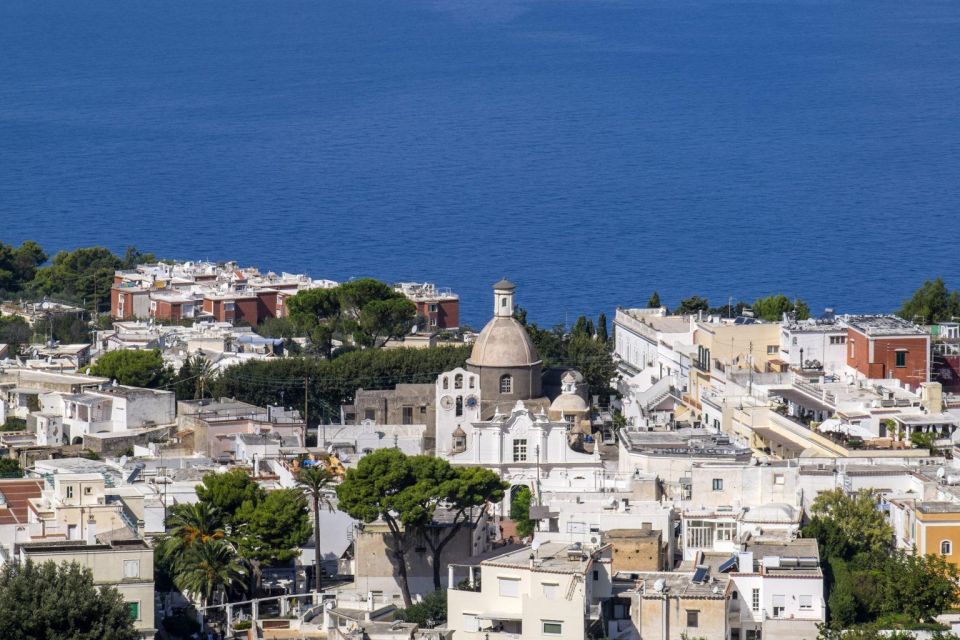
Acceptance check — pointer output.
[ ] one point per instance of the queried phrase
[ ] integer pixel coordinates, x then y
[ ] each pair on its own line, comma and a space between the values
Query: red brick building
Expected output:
440, 307
888, 347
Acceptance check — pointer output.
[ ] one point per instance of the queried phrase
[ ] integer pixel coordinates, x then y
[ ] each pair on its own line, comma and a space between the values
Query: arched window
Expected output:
459, 405
458, 381
946, 548
472, 381
446, 382
506, 383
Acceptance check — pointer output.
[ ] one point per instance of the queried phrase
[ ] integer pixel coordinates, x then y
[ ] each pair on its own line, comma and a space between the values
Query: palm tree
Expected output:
209, 569
188, 525
316, 482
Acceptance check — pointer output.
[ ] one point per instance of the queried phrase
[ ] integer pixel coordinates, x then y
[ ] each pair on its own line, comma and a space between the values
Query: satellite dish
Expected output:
536, 544
659, 585
941, 472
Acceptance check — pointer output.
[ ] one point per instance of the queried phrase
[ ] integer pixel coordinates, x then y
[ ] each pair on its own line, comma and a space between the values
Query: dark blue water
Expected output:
590, 150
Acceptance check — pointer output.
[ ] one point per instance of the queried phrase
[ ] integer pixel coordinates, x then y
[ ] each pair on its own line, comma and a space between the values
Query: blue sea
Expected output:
591, 150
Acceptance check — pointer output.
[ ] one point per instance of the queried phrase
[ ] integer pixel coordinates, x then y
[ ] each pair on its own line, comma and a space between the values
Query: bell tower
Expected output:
503, 299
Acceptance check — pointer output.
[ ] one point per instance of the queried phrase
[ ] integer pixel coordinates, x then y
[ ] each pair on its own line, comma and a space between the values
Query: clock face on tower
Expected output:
446, 402
471, 401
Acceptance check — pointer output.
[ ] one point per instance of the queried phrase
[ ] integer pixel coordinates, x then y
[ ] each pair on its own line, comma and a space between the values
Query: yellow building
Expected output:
930, 526
126, 565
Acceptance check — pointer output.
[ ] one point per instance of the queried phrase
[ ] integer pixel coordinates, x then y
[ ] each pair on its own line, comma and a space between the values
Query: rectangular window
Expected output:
552, 628
550, 590
228, 306
131, 568
407, 415
755, 600
778, 478
693, 618
806, 603
471, 623
69, 491
596, 575
779, 604
433, 308
134, 608
726, 531
773, 349
901, 359
369, 414
508, 587
718, 484
838, 339
519, 450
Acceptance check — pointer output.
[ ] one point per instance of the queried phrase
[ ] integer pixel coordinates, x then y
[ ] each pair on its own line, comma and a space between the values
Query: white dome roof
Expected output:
569, 403
503, 343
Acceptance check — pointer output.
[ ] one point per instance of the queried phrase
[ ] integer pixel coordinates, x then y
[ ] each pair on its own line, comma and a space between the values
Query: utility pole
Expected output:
306, 409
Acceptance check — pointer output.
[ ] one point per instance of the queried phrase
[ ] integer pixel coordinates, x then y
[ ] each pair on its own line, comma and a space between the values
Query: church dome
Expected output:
568, 403
503, 343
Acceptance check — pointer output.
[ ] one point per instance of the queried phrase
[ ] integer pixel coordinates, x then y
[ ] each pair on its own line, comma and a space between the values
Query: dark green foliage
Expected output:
579, 350
366, 312
60, 601
602, 335
18, 265
773, 307
923, 441
274, 529
429, 613
333, 382
404, 491
68, 328
226, 492
520, 511
931, 303
195, 379
133, 367
692, 306
84, 274
14, 424
868, 581
654, 301
181, 625
133, 257
10, 468
15, 332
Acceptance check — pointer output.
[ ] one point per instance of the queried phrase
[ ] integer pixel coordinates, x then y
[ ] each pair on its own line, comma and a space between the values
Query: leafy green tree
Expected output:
316, 483
133, 367
924, 441
654, 301
842, 604
920, 586
931, 303
602, 335
133, 257
209, 571
858, 519
773, 307
383, 486
580, 328
466, 492
429, 613
274, 529
15, 332
53, 600
520, 512
226, 493
84, 274
592, 358
195, 523
10, 468
692, 306
195, 378
18, 265
382, 320
334, 382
